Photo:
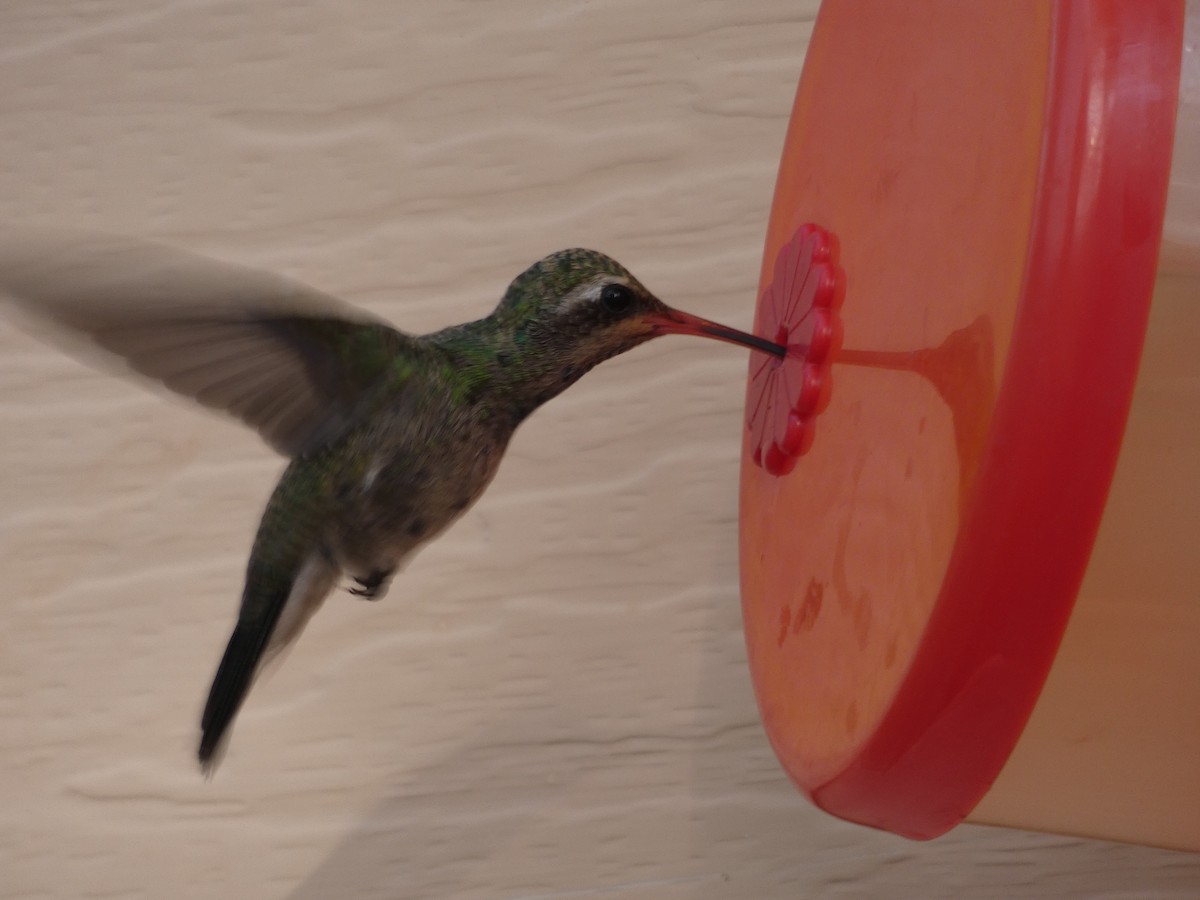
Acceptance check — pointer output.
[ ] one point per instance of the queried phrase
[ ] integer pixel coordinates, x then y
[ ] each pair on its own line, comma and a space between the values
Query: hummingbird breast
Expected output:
402, 480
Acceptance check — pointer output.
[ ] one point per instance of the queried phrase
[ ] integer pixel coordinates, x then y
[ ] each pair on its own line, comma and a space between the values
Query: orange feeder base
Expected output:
924, 476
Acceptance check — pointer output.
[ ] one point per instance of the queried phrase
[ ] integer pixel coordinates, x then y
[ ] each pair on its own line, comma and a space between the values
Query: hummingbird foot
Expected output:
373, 586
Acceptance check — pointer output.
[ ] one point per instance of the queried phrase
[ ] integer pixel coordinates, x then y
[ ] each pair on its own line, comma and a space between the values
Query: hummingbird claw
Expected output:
371, 587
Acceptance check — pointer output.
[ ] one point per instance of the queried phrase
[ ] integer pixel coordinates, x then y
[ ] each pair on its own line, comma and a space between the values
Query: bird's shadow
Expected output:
704, 812
571, 811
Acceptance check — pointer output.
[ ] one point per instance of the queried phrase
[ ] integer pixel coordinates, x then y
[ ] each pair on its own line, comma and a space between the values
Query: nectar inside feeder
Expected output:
961, 256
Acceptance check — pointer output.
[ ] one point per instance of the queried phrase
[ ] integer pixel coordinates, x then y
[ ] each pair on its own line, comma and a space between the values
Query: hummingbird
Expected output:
389, 436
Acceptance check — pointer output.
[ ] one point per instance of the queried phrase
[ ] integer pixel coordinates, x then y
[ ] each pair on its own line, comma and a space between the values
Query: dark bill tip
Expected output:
674, 321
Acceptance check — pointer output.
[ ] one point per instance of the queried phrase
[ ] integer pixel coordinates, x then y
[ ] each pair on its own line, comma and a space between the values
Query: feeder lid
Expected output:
961, 252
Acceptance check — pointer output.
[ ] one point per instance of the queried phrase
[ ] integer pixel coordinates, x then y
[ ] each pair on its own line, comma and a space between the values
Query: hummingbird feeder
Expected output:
970, 492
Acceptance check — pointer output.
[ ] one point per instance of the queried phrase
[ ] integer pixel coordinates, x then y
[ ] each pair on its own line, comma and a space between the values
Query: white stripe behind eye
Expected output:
588, 294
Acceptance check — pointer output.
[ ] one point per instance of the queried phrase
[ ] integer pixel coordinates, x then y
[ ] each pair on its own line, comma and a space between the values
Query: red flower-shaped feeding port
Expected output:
799, 308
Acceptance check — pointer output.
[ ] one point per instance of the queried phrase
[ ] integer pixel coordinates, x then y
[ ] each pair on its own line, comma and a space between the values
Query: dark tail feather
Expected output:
230, 686
276, 605
287, 578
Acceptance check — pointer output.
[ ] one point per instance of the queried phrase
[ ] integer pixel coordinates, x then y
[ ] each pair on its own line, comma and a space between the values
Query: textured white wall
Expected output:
553, 701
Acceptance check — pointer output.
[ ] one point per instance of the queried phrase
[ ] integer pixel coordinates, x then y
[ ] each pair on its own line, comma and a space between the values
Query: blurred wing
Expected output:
287, 360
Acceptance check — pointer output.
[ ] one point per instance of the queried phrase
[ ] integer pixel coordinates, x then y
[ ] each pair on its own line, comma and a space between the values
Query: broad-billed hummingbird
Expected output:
391, 436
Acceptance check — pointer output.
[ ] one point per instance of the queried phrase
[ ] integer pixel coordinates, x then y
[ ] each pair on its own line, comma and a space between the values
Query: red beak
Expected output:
672, 321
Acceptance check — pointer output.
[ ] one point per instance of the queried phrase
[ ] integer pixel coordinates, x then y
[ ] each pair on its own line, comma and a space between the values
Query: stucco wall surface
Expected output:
553, 700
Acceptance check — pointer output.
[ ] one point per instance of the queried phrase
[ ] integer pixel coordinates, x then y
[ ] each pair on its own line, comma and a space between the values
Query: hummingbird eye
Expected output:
616, 298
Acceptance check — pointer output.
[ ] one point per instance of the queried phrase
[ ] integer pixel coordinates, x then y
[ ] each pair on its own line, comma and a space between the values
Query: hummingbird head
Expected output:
580, 307
562, 316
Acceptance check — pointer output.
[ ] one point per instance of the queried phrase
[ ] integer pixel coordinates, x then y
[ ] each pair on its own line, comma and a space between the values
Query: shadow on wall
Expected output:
698, 810
547, 850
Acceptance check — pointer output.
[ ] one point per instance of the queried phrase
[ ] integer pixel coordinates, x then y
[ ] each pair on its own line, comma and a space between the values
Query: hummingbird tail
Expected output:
269, 622
229, 688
